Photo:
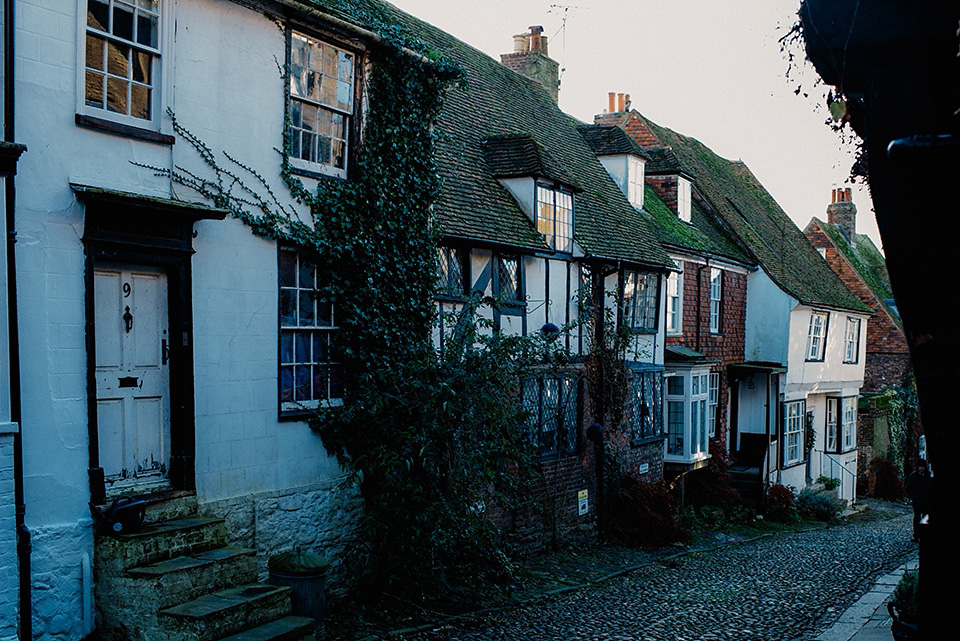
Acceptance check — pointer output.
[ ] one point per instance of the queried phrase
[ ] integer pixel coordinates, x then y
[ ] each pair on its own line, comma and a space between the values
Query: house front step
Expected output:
285, 629
129, 603
170, 506
158, 542
226, 612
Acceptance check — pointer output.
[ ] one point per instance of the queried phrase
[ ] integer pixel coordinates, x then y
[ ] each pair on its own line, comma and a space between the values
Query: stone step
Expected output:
215, 615
285, 629
129, 603
169, 506
157, 542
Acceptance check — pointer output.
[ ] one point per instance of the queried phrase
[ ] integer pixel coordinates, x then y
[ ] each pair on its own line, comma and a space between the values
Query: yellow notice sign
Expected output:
584, 504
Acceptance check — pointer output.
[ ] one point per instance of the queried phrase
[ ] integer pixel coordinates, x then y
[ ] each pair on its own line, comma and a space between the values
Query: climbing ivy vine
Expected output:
433, 436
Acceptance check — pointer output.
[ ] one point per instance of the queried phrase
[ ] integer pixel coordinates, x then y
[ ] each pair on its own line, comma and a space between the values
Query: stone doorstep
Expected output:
225, 612
183, 578
285, 629
160, 541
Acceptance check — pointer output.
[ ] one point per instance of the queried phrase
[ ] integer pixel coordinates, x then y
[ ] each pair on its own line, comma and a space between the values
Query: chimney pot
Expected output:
833, 196
612, 100
520, 43
849, 195
619, 102
535, 38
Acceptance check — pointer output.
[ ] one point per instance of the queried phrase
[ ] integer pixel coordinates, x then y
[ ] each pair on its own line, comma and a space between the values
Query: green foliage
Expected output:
902, 414
889, 483
829, 483
905, 595
780, 504
642, 514
818, 506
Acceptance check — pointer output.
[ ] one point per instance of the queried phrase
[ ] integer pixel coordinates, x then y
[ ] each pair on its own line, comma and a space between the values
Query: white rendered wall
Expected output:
767, 331
831, 375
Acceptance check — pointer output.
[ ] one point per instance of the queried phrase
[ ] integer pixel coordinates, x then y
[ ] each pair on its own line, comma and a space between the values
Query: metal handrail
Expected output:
844, 468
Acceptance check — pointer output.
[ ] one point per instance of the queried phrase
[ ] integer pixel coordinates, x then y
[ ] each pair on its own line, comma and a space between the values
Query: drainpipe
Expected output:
24, 545
700, 298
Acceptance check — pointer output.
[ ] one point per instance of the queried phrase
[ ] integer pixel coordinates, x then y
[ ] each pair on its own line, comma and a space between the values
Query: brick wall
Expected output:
884, 370
635, 127
666, 188
9, 585
727, 346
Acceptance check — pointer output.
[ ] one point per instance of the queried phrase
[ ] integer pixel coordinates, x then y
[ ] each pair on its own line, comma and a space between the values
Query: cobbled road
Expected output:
783, 587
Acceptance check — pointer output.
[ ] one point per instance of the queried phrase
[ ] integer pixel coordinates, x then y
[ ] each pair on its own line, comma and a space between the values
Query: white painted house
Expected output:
160, 340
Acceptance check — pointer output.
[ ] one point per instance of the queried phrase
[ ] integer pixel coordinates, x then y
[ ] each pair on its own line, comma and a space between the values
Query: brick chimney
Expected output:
530, 58
842, 212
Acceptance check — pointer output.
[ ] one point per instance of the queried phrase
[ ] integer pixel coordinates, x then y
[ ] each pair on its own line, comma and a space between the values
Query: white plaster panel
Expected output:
831, 375
57, 579
536, 281
559, 294
767, 331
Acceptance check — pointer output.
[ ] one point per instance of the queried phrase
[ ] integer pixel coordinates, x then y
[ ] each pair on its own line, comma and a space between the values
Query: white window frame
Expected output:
687, 413
635, 180
794, 422
297, 133
675, 303
832, 432
712, 402
289, 357
683, 198
851, 341
161, 62
817, 336
555, 215
716, 299
848, 432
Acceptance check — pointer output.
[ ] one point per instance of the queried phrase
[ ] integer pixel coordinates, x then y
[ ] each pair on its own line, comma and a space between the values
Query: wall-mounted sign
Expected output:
582, 498
644, 468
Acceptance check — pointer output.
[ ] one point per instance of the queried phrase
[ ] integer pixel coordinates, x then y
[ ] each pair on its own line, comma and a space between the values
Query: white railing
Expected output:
845, 476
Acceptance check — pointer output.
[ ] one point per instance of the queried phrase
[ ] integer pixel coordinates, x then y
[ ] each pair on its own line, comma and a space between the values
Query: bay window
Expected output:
689, 412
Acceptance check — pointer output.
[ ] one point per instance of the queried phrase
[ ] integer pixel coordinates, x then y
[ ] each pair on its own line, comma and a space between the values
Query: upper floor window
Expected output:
310, 373
793, 424
817, 336
320, 105
121, 74
716, 299
683, 199
640, 301
712, 401
647, 409
555, 216
635, 181
451, 280
552, 404
674, 303
508, 287
851, 340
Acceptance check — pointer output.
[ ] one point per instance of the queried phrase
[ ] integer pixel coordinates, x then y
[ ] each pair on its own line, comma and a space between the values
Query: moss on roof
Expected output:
759, 224
513, 155
867, 261
498, 101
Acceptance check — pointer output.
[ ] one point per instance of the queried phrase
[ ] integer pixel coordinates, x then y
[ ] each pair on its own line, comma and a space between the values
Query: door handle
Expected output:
128, 319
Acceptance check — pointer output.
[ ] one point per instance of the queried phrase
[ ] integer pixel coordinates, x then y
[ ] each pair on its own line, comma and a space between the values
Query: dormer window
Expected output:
555, 216
683, 199
635, 181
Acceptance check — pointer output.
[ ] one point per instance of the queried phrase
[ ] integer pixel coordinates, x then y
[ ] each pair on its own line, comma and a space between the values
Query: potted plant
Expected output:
903, 607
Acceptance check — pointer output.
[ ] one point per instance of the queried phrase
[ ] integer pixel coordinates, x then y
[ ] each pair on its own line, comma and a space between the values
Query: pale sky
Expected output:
710, 69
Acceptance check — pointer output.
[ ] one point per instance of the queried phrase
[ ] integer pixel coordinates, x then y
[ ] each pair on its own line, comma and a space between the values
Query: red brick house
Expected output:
863, 269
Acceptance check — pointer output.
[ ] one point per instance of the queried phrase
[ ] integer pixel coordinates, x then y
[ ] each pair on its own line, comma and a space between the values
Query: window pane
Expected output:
286, 347
306, 315
117, 95
142, 67
674, 427
298, 50
98, 15
286, 383
346, 67
675, 386
117, 61
94, 89
336, 381
302, 383
140, 102
95, 47
147, 30
320, 382
301, 347
320, 352
288, 307
122, 20
338, 153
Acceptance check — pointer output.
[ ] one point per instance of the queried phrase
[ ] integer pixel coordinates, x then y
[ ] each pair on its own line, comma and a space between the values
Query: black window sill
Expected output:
813, 360
316, 175
553, 457
110, 127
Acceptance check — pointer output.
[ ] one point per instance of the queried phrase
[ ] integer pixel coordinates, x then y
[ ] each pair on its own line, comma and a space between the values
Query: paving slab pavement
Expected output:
868, 619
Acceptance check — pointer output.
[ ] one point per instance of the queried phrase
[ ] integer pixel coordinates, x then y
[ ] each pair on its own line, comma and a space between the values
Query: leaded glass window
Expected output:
552, 404
647, 395
508, 282
451, 278
555, 216
640, 301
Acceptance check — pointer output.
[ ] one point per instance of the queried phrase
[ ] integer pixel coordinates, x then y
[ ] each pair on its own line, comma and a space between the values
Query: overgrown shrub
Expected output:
818, 506
642, 514
711, 484
889, 485
906, 593
780, 504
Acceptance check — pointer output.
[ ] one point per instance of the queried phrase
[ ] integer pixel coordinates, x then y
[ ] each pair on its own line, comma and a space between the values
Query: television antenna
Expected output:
564, 11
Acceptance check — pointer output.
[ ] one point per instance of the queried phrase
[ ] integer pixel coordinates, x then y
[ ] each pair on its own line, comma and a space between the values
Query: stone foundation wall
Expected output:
321, 518
57, 575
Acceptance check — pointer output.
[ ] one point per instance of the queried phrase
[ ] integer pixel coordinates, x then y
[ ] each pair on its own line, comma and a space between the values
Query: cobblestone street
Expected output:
784, 587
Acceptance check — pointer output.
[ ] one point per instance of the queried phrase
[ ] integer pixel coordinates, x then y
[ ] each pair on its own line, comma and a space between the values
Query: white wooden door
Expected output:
133, 379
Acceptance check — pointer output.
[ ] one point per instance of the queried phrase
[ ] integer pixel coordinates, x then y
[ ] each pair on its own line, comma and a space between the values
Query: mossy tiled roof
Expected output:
702, 235
496, 102
611, 141
513, 155
867, 261
758, 223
